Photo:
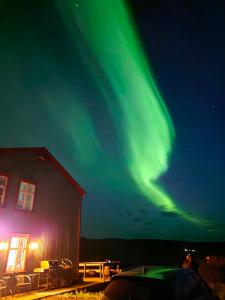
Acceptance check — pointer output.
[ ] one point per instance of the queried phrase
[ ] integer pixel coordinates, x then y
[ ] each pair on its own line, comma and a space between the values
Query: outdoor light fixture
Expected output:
33, 245
3, 246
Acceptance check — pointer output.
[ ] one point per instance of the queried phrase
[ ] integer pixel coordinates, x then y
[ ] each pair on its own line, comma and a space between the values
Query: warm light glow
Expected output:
33, 245
3, 246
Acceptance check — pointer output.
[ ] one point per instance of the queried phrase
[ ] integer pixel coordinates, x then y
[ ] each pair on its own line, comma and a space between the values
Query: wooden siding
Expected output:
55, 219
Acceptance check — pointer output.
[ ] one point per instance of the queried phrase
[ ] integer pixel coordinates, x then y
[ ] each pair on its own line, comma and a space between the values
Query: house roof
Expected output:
43, 153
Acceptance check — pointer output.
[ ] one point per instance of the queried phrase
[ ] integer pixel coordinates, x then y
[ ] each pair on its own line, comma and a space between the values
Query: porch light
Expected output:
3, 246
33, 246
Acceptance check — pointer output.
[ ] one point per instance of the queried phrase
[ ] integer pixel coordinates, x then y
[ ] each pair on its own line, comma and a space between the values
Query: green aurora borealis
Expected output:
147, 133
123, 108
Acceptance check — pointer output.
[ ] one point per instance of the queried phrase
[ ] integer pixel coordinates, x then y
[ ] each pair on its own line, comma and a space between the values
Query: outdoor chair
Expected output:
22, 282
3, 287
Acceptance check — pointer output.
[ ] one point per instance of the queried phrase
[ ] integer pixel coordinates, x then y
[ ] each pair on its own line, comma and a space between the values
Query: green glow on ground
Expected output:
145, 129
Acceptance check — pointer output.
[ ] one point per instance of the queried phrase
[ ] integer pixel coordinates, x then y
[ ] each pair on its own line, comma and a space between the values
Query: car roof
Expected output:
152, 272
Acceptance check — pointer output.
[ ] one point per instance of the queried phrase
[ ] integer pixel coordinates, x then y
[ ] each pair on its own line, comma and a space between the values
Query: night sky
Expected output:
130, 98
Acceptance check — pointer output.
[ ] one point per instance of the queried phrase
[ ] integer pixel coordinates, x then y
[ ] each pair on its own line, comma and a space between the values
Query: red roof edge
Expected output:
53, 161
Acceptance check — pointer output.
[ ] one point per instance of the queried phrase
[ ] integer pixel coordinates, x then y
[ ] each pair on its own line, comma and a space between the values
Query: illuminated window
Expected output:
3, 186
25, 199
17, 253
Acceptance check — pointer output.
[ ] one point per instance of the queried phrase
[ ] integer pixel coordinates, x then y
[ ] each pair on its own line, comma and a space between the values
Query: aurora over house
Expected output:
126, 111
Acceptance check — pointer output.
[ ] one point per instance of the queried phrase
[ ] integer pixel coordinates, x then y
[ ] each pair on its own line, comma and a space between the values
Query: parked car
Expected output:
156, 283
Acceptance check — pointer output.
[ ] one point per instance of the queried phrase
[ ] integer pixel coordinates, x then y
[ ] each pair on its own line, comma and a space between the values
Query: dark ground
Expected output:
150, 252
209, 257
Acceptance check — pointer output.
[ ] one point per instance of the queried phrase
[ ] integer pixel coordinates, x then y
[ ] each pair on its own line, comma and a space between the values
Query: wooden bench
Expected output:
22, 282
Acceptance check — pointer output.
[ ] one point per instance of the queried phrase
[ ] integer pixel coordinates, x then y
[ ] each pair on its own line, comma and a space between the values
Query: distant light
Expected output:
33, 245
189, 250
3, 246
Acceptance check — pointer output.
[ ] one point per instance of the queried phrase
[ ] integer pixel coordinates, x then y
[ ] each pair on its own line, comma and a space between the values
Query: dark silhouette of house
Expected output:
40, 208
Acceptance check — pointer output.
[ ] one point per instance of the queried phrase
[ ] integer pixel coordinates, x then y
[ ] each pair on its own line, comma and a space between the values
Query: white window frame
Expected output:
17, 253
4, 188
26, 190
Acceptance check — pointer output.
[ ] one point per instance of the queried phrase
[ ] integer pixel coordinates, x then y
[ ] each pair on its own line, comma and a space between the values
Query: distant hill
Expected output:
143, 251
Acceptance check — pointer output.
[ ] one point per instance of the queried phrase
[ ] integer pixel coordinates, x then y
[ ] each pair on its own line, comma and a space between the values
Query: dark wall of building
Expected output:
55, 219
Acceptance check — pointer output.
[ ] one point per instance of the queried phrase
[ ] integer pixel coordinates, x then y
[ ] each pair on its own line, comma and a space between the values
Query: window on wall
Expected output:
26, 194
3, 187
17, 253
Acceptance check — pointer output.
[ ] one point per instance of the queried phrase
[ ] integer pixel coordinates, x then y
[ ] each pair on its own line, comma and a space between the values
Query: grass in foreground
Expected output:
77, 296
